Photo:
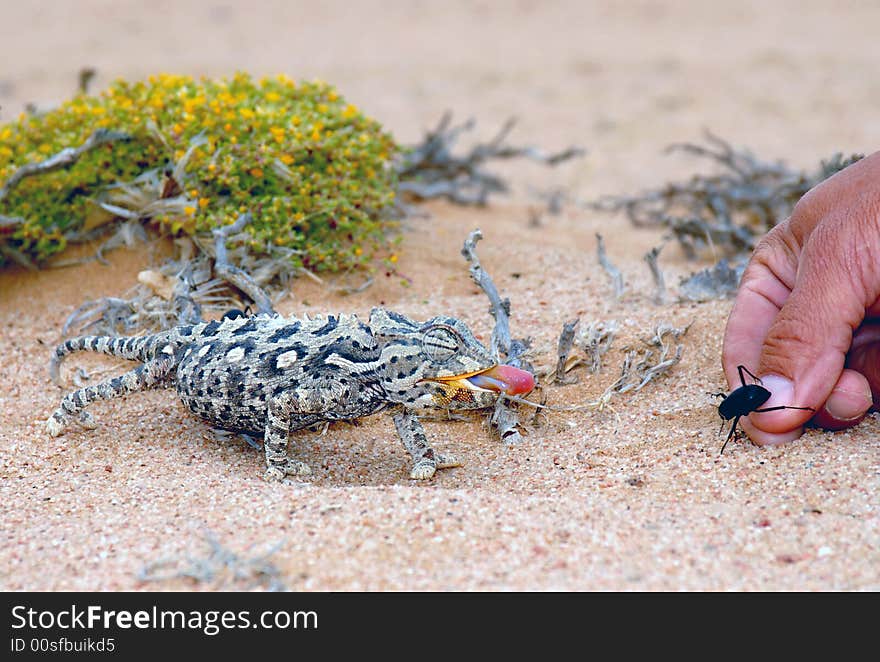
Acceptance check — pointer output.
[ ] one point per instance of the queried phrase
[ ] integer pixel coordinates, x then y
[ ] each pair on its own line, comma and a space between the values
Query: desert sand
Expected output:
632, 497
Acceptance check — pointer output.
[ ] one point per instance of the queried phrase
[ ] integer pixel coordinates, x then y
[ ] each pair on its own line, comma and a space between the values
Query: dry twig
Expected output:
505, 419
566, 340
595, 341
222, 568
730, 210
66, 157
612, 271
716, 282
640, 366
431, 170
233, 275
651, 258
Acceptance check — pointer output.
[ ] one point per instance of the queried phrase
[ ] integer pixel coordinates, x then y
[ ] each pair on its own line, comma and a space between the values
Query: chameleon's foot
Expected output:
55, 425
292, 468
447, 462
86, 420
297, 468
57, 422
426, 468
423, 470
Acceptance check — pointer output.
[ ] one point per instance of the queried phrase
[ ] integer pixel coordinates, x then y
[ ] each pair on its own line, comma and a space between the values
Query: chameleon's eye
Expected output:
440, 344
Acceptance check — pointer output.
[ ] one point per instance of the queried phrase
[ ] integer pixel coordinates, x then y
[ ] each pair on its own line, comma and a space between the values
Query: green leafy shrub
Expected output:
314, 172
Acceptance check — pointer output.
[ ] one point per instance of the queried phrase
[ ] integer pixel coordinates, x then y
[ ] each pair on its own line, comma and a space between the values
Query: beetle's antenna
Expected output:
741, 369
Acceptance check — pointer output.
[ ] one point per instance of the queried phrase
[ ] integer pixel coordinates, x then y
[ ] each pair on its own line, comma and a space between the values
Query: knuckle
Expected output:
777, 252
811, 203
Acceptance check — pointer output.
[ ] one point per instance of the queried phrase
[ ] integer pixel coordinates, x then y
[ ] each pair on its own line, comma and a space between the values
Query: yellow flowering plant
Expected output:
191, 155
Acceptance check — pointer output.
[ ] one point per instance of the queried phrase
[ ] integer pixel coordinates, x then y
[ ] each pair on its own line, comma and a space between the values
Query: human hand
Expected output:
806, 318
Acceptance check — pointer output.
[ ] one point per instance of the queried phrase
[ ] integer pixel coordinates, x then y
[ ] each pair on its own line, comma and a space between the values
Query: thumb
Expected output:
805, 348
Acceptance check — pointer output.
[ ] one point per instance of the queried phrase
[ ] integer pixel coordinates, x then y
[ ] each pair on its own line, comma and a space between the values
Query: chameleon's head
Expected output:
439, 364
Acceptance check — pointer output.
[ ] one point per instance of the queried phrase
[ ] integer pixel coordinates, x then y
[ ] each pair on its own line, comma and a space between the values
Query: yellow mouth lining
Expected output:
464, 375
462, 379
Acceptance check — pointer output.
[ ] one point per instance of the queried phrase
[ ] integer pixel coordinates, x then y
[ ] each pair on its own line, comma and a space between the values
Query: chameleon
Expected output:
270, 375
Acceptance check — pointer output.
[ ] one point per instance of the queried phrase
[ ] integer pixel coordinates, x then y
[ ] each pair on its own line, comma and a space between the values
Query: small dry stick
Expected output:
719, 281
431, 170
86, 74
610, 269
566, 340
596, 340
66, 157
504, 418
639, 368
188, 309
222, 567
659, 283
499, 308
233, 275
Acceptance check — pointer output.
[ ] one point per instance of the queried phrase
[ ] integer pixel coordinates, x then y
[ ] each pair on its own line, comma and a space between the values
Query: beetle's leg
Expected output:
730, 436
781, 407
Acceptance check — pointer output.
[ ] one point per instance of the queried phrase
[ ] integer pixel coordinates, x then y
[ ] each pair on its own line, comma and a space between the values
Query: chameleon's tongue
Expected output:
506, 379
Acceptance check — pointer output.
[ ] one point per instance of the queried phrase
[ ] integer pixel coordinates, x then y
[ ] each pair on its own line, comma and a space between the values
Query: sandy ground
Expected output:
634, 497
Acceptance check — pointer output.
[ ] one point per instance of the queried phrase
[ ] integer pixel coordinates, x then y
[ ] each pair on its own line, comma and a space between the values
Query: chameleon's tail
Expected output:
133, 348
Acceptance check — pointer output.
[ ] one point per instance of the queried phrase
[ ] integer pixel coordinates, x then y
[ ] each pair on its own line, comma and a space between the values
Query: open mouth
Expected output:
498, 379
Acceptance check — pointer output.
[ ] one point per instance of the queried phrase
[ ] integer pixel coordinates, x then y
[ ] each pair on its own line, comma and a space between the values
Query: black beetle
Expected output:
745, 400
235, 313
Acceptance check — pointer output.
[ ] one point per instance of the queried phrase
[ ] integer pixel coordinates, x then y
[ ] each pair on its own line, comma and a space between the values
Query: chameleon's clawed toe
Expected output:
87, 421
274, 474
291, 468
447, 461
54, 427
423, 470
297, 468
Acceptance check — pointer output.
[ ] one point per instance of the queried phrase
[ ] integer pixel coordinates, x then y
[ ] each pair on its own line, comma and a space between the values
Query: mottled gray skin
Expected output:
268, 375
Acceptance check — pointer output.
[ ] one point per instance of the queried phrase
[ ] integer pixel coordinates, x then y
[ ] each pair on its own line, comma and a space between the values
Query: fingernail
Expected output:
847, 405
781, 390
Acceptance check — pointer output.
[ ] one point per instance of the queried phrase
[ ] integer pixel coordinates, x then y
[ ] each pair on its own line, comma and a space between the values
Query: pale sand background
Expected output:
578, 505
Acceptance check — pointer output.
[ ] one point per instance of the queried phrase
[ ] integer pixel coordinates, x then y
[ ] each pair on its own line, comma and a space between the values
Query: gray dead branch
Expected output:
612, 271
127, 233
592, 343
642, 365
719, 281
595, 341
431, 169
175, 293
651, 257
171, 294
726, 212
505, 418
554, 199
66, 157
232, 274
563, 349
221, 568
